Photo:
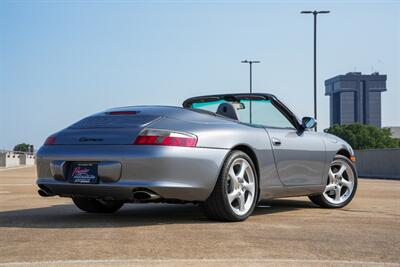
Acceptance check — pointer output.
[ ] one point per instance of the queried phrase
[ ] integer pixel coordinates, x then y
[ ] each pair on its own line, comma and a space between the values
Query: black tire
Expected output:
217, 206
97, 206
321, 201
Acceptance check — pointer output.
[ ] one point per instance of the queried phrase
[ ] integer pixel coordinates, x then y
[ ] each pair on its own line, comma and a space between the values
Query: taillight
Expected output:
165, 138
51, 140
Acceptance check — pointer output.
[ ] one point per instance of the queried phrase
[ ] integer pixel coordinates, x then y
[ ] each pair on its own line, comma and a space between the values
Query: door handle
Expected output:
276, 141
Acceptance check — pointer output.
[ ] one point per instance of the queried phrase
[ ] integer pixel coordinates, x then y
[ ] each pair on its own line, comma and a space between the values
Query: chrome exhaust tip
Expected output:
44, 193
145, 195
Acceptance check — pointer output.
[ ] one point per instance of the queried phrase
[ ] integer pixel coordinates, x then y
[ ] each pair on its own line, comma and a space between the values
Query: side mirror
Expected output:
308, 122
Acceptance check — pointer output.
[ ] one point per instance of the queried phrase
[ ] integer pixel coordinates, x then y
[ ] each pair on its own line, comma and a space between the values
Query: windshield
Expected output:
263, 113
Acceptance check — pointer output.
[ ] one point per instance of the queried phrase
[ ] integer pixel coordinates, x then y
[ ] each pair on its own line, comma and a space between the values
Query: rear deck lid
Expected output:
110, 128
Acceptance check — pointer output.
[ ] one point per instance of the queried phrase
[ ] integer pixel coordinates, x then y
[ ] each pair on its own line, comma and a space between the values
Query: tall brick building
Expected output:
356, 97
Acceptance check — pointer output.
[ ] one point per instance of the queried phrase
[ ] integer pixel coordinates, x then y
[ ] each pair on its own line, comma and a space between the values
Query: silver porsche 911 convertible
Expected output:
225, 152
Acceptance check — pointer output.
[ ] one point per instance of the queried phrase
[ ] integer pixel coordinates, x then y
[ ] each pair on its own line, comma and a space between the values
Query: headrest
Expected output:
228, 110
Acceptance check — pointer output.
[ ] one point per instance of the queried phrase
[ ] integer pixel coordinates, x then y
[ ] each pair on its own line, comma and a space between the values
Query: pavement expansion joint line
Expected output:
215, 260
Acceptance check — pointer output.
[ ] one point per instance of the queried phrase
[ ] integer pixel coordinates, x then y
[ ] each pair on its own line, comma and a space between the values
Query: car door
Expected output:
299, 154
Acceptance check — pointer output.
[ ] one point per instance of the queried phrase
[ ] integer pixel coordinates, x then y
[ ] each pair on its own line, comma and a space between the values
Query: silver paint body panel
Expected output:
298, 166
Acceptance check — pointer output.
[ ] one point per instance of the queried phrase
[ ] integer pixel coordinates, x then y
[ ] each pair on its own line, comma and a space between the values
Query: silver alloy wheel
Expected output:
340, 183
240, 186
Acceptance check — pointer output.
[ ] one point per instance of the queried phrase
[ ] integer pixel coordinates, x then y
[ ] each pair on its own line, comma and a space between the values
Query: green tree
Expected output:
361, 136
23, 147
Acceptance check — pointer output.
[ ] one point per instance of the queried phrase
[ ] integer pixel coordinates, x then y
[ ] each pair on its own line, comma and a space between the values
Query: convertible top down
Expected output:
226, 152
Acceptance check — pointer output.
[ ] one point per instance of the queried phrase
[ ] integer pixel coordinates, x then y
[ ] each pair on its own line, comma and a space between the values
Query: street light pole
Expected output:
250, 62
315, 13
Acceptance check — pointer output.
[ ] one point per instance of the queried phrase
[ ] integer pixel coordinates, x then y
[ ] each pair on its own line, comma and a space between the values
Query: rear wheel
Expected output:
97, 206
235, 194
341, 185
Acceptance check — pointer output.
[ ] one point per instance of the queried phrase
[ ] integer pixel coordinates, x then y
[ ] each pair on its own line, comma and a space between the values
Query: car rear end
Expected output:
123, 155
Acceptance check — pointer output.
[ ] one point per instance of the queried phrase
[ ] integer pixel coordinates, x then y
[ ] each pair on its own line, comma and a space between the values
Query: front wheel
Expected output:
97, 206
235, 194
341, 185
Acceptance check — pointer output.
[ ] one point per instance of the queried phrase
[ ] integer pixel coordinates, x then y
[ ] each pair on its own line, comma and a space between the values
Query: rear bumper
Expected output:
187, 174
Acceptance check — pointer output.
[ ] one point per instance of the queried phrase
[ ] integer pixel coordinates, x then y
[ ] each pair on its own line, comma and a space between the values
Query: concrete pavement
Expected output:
37, 231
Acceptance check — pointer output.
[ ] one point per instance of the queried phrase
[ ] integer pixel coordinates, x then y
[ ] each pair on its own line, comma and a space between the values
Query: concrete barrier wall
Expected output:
9, 159
378, 163
26, 159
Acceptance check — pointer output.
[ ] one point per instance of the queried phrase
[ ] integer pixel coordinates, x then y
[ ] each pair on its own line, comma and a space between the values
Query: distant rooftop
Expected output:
351, 76
359, 73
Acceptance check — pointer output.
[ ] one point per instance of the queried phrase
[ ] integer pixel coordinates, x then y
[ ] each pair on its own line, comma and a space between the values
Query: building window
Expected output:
336, 108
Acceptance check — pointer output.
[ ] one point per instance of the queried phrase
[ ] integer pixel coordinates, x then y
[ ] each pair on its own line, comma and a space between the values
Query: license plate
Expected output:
83, 173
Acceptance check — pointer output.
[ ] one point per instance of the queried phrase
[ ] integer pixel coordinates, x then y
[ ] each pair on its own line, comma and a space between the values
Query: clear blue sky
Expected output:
60, 61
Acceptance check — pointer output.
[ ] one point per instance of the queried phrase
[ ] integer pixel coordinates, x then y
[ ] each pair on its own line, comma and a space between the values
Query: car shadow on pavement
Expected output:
68, 216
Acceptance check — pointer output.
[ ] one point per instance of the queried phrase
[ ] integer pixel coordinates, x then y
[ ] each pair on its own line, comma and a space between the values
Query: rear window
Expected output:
107, 121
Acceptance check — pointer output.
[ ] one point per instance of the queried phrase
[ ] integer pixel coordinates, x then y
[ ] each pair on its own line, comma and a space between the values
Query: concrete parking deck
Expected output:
37, 231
